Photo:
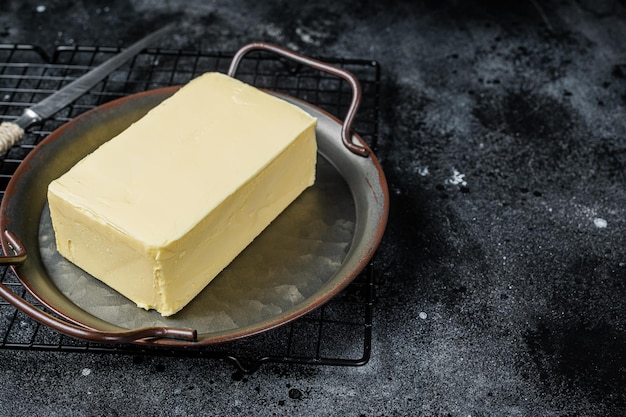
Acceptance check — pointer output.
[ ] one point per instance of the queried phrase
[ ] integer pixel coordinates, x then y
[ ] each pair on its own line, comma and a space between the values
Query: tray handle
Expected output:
126, 336
346, 129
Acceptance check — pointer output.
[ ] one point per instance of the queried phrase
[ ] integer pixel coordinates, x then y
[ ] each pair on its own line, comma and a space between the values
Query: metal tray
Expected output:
302, 260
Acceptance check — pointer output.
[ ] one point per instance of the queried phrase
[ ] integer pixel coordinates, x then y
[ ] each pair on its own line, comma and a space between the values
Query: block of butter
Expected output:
159, 210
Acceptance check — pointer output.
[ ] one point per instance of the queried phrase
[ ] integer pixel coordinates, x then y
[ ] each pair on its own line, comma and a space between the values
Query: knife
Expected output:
12, 132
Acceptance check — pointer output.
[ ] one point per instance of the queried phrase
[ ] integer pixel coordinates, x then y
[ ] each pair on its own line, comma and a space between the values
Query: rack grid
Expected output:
338, 333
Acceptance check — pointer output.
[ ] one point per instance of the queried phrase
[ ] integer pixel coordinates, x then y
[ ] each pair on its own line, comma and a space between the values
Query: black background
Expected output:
503, 138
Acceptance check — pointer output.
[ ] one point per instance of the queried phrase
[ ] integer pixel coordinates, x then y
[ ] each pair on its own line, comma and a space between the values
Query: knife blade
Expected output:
12, 132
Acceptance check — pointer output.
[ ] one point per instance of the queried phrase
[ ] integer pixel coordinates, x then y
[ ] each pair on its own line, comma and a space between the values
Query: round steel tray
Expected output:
311, 252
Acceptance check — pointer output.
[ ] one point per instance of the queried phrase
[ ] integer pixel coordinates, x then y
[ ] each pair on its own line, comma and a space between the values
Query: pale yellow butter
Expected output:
158, 211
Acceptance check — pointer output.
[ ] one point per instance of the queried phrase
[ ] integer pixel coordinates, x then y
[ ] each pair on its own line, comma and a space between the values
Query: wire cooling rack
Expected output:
338, 333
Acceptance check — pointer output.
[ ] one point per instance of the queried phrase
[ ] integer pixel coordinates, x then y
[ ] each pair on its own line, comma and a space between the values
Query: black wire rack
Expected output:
338, 333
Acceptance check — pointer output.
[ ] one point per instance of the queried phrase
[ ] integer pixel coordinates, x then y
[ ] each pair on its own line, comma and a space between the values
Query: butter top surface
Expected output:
192, 151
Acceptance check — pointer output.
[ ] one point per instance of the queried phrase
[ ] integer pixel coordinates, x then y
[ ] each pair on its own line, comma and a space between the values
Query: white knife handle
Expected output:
10, 134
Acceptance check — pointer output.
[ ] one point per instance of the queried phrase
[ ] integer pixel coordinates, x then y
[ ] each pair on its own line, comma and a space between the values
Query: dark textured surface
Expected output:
502, 287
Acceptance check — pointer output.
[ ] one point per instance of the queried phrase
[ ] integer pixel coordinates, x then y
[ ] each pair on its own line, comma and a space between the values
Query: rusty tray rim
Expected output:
169, 336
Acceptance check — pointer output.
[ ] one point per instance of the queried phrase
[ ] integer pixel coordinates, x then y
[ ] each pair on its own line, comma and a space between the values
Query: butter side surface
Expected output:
158, 211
